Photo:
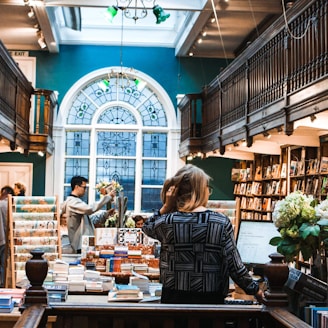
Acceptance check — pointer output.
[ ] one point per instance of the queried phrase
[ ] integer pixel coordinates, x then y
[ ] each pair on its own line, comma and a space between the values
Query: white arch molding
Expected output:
55, 164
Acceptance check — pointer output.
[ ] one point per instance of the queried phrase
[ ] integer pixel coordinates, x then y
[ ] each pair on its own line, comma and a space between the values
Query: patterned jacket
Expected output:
198, 252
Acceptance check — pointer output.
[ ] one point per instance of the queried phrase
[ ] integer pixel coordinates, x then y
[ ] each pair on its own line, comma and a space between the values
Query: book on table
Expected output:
127, 291
7, 303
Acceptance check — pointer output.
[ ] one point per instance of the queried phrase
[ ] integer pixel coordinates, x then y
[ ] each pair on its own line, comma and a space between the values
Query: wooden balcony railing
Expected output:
23, 126
279, 79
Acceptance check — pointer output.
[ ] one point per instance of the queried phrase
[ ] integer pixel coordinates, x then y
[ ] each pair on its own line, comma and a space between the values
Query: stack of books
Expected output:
141, 283
60, 272
56, 292
140, 267
6, 303
93, 286
76, 282
17, 294
127, 291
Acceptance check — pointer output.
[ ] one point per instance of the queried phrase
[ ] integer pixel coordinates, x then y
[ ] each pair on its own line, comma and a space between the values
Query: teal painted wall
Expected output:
219, 169
176, 75
39, 165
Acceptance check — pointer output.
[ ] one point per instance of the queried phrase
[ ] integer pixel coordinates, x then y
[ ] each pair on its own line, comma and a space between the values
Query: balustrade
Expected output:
279, 79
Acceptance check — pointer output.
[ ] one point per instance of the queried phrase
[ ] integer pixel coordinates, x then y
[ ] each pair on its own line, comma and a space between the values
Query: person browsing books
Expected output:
81, 216
198, 249
5, 191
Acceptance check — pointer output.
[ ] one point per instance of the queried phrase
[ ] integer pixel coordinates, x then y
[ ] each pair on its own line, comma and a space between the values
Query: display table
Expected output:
8, 320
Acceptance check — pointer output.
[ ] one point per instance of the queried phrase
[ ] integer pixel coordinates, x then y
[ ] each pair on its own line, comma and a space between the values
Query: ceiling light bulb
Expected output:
191, 54
200, 40
42, 43
204, 33
31, 14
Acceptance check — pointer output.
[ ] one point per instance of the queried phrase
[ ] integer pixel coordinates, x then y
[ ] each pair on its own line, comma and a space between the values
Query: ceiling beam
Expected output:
46, 28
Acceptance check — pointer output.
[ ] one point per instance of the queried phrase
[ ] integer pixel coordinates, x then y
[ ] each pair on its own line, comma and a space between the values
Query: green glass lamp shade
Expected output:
140, 84
160, 14
104, 85
111, 13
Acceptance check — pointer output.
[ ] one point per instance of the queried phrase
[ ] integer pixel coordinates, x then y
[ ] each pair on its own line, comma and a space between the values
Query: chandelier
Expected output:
136, 11
122, 77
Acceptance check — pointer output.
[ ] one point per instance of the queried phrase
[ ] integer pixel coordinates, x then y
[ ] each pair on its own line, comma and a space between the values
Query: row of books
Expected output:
257, 204
279, 171
274, 187
258, 216
316, 316
310, 186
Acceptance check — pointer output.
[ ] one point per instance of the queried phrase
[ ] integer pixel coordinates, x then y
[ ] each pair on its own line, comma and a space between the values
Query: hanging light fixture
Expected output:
136, 11
123, 77
111, 13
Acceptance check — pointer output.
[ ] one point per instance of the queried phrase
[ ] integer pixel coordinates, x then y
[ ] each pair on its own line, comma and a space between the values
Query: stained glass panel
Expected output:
116, 143
77, 143
153, 172
76, 166
117, 115
82, 110
152, 113
154, 144
151, 199
121, 170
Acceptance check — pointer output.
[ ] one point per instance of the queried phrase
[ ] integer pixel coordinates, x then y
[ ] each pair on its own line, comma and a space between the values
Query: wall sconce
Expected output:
313, 117
235, 144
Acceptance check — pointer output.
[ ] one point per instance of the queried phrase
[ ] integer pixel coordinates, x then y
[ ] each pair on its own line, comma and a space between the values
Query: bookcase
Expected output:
33, 222
257, 192
259, 184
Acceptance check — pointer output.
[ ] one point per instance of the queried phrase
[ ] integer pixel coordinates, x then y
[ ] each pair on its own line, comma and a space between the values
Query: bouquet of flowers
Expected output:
297, 222
102, 185
112, 221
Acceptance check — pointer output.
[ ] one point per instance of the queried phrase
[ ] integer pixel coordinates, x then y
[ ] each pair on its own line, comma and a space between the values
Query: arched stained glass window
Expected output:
118, 131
